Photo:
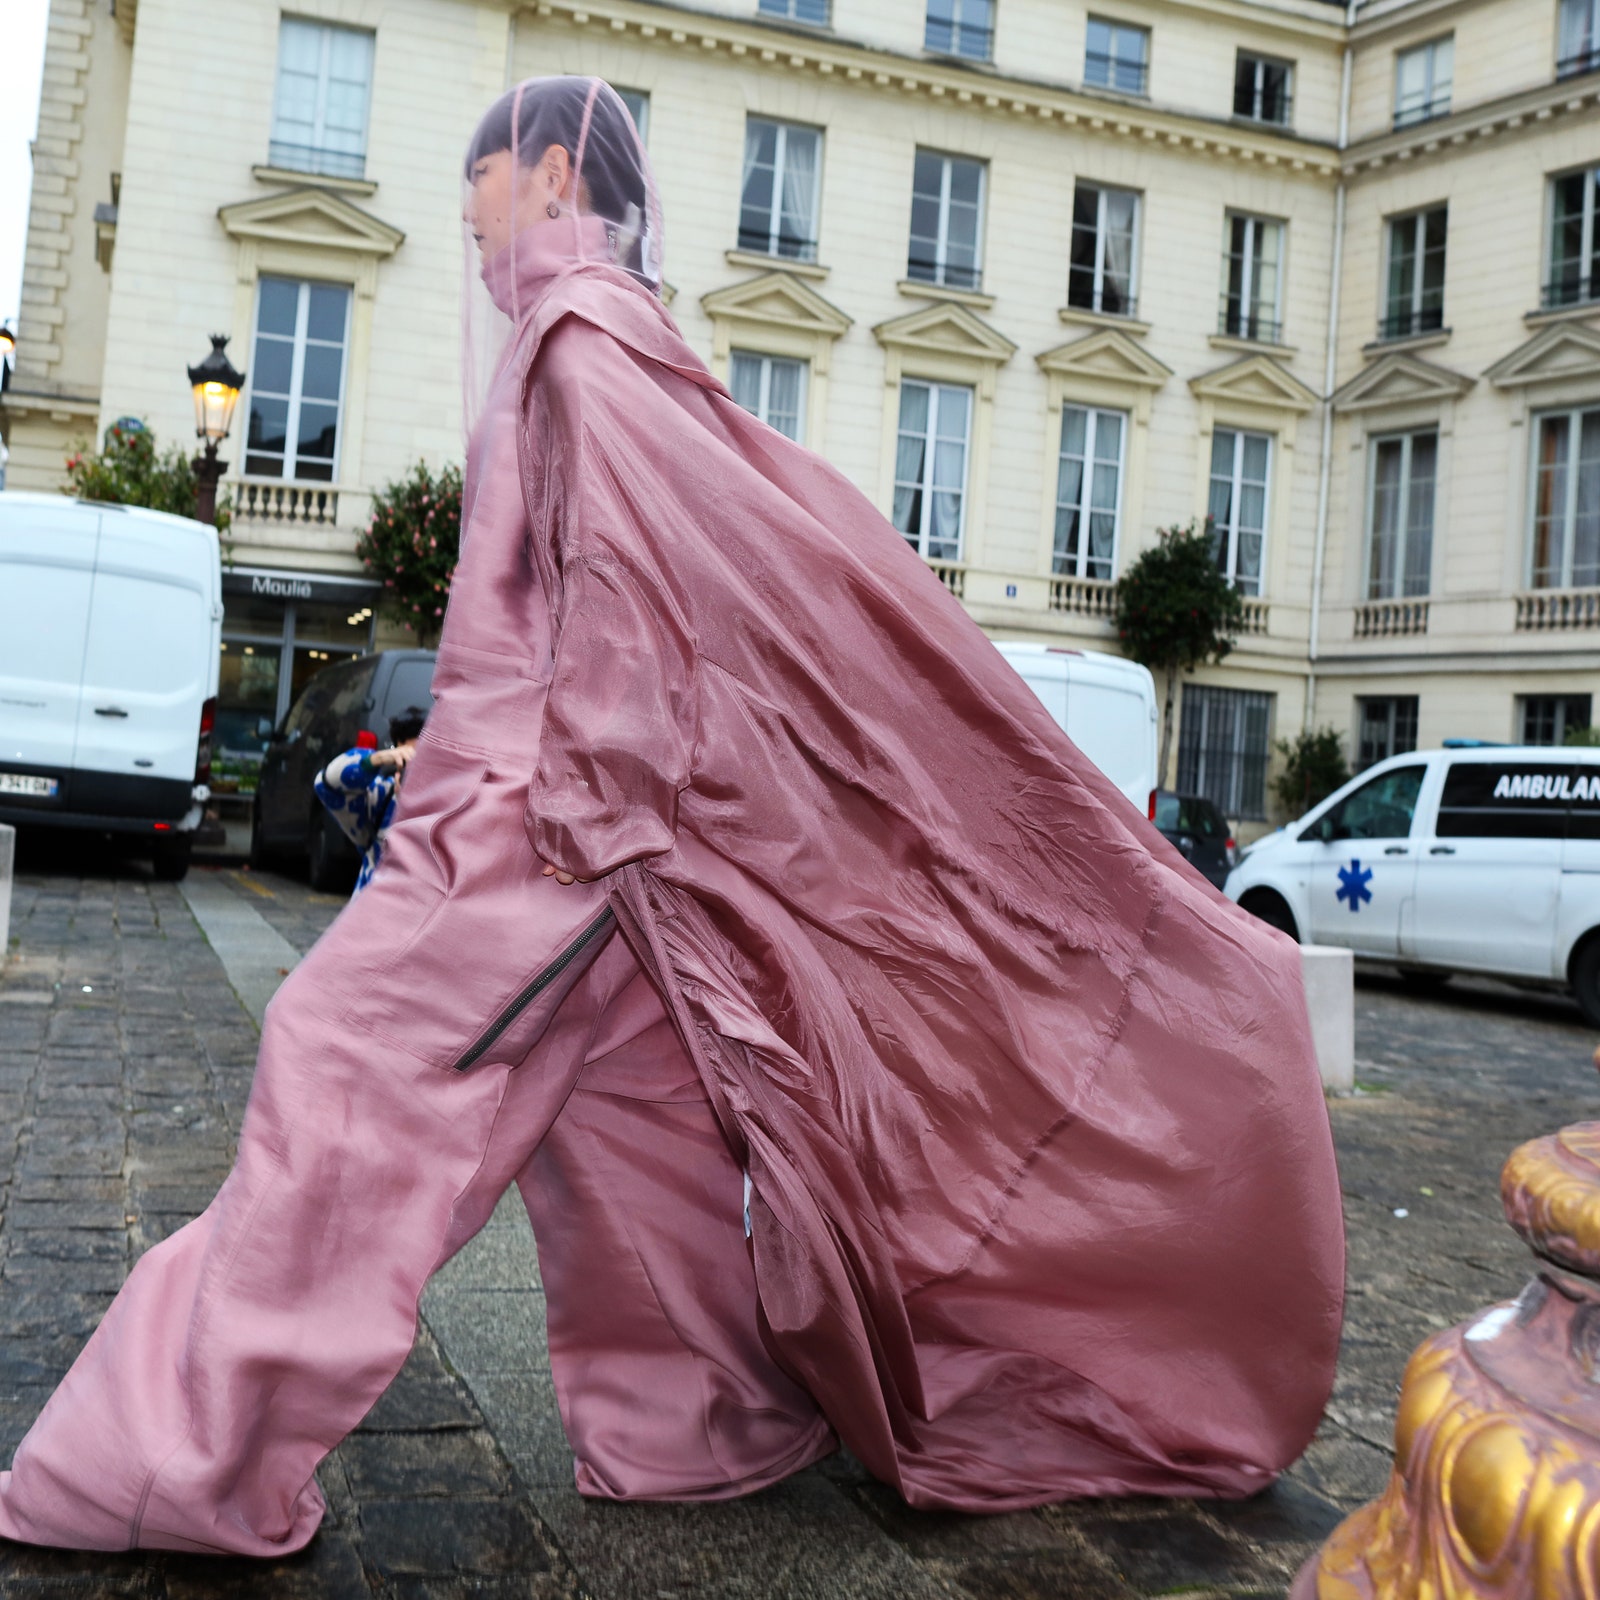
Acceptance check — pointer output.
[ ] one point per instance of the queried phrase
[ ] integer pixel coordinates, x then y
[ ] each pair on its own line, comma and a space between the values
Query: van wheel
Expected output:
1271, 908
325, 870
170, 857
1585, 971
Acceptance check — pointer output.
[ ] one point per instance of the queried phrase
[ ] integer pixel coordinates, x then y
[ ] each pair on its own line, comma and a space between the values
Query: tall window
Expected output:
782, 184
813, 11
1566, 501
1117, 56
1578, 42
1252, 278
638, 104
1574, 270
1223, 743
1089, 492
1386, 726
1404, 469
1549, 718
1102, 273
930, 472
960, 28
319, 115
1423, 79
1414, 301
1240, 466
1263, 89
297, 380
772, 388
946, 221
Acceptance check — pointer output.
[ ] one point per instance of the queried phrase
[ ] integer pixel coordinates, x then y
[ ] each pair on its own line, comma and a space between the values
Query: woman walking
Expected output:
868, 1067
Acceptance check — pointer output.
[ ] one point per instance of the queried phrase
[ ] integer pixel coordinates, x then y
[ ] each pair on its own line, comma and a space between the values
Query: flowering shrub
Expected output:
412, 543
130, 472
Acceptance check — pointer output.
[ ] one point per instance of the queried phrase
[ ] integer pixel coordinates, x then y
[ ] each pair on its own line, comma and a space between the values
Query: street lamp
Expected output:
217, 383
8, 348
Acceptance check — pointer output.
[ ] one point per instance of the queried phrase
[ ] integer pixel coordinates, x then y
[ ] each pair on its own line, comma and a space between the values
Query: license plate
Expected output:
28, 783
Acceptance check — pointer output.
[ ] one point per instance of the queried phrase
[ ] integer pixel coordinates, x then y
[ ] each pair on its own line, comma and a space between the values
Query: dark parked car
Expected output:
337, 706
1199, 831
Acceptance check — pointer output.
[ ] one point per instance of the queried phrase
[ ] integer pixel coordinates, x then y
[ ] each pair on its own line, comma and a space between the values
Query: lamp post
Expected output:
8, 348
216, 382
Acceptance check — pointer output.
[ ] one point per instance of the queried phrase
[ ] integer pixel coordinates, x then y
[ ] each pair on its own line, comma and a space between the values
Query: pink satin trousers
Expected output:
242, 1349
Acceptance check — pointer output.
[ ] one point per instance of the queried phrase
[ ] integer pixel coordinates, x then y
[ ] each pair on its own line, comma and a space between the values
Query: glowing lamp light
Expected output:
216, 382
8, 342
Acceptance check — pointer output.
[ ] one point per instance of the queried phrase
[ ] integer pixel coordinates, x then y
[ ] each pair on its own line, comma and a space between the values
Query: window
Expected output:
1117, 56
1549, 718
1240, 464
1101, 276
1414, 302
1382, 808
1089, 492
1387, 726
1578, 41
813, 11
1495, 800
297, 380
319, 116
638, 104
930, 475
1252, 276
1573, 276
782, 180
772, 388
1566, 501
960, 28
1423, 79
1262, 89
946, 221
1404, 469
1223, 742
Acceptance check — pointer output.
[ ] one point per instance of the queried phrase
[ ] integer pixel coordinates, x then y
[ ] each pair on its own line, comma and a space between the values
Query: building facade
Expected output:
1041, 279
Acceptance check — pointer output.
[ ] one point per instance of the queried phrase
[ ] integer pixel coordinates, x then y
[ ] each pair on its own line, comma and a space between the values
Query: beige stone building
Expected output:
1041, 278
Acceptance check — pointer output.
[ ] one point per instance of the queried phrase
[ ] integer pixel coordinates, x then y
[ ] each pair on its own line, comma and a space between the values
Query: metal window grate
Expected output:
1223, 744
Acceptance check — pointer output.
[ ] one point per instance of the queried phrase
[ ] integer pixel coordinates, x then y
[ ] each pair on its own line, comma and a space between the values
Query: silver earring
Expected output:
552, 210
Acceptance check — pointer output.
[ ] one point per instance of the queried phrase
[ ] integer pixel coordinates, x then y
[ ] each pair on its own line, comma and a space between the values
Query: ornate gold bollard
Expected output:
1496, 1484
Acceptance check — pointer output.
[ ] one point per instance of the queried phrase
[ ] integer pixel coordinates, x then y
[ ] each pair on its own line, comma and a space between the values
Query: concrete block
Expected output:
8, 857
1329, 974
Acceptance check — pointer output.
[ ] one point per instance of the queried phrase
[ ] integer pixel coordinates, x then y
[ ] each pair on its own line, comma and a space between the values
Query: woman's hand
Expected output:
560, 876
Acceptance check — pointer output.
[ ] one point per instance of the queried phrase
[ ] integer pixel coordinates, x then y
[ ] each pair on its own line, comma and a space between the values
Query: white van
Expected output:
110, 627
1105, 704
1466, 859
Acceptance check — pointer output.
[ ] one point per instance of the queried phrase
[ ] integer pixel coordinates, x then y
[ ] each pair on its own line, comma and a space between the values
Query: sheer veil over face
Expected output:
555, 179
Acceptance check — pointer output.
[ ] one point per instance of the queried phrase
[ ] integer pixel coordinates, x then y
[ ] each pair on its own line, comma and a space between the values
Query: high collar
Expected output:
518, 276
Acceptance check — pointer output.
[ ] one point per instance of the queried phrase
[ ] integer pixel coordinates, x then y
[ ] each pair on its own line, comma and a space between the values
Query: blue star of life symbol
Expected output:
1353, 881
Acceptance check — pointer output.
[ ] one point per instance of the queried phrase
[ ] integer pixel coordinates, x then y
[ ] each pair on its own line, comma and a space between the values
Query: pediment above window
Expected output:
1257, 381
311, 217
1109, 356
777, 300
1397, 380
947, 331
1556, 354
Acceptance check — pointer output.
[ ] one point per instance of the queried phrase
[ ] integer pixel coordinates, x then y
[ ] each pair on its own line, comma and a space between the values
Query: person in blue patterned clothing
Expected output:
359, 789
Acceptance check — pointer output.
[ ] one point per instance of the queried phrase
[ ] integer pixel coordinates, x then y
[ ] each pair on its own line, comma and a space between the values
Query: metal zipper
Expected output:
535, 986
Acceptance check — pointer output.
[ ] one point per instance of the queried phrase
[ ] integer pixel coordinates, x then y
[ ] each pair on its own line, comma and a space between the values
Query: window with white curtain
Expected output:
772, 388
782, 189
1423, 81
1578, 37
1103, 272
1566, 501
297, 380
1252, 278
946, 221
319, 113
1405, 470
1263, 89
930, 474
1089, 492
1415, 297
1240, 472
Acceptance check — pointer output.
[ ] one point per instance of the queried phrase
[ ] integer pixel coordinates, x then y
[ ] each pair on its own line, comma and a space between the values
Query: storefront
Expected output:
279, 630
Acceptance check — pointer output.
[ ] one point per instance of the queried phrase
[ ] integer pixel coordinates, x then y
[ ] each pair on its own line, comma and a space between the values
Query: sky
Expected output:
19, 116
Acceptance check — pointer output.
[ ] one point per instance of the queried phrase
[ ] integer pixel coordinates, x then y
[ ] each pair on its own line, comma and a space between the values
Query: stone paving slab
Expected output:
125, 1060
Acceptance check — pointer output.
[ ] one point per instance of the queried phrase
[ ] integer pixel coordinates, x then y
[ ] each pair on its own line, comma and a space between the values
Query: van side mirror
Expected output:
266, 729
1326, 831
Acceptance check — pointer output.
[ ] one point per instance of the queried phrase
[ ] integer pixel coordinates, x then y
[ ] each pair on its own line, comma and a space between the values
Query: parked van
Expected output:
110, 626
1105, 704
1479, 859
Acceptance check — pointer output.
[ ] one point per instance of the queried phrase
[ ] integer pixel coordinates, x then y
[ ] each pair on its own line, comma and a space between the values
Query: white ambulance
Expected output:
1473, 858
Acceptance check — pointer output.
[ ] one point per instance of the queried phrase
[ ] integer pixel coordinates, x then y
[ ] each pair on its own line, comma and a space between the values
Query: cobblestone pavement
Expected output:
125, 1061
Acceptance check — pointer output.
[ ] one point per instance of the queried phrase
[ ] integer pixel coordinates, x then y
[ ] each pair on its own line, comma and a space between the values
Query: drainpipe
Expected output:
1329, 375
